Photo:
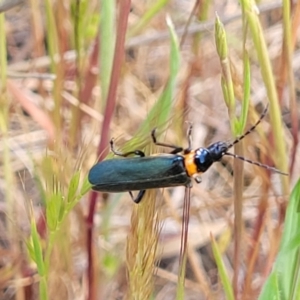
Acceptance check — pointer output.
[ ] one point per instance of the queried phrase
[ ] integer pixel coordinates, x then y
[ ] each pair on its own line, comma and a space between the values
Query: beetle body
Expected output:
158, 171
162, 170
139, 173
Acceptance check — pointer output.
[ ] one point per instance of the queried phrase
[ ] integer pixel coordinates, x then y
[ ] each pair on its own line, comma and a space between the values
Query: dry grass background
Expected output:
48, 140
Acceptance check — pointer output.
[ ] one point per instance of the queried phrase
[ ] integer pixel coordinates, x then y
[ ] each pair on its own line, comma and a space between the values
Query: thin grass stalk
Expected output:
282, 70
107, 43
236, 128
250, 9
124, 9
227, 83
90, 77
74, 132
78, 37
288, 51
238, 168
251, 16
52, 42
246, 92
184, 244
86, 77
295, 130
188, 22
52, 39
181, 274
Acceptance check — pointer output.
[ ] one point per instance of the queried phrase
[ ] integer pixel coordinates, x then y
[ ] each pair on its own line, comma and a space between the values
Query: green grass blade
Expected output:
107, 44
251, 15
222, 270
37, 252
181, 280
161, 110
246, 89
283, 283
73, 186
148, 16
53, 207
86, 186
226, 80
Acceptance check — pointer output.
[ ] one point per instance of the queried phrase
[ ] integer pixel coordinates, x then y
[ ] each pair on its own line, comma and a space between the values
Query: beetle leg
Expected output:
131, 195
139, 197
176, 148
135, 152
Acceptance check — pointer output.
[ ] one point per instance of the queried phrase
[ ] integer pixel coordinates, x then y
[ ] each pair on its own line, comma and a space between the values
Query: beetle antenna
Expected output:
256, 163
251, 129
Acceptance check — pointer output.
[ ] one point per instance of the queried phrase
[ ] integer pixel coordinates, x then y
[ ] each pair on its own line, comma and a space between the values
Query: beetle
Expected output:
177, 168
